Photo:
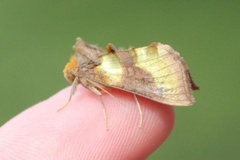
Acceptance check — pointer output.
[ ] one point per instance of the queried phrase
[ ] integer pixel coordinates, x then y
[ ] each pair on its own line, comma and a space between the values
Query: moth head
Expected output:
70, 70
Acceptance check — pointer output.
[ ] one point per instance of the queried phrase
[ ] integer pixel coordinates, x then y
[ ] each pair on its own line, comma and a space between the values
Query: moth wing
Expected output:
156, 72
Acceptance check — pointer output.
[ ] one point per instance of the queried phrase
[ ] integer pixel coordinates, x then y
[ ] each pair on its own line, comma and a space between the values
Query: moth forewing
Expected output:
156, 72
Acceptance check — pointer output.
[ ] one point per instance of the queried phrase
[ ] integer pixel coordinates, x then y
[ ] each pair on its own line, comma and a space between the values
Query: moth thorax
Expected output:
70, 70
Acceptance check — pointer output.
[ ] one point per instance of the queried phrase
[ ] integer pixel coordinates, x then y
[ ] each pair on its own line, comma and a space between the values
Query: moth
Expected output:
156, 72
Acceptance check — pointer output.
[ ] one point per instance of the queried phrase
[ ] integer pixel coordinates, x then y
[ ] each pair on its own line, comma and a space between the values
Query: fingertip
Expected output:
87, 118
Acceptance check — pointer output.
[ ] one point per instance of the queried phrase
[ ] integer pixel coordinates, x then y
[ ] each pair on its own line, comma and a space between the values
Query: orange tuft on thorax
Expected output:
70, 70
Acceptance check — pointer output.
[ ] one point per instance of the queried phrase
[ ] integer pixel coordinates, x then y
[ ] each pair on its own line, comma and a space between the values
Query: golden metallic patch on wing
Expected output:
109, 71
169, 73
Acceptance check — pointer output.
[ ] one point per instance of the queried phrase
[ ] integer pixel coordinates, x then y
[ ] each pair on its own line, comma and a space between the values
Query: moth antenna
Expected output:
104, 112
140, 111
73, 90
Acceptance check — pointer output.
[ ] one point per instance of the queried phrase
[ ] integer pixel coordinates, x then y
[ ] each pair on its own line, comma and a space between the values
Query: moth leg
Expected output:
110, 48
104, 112
97, 92
73, 90
99, 86
140, 111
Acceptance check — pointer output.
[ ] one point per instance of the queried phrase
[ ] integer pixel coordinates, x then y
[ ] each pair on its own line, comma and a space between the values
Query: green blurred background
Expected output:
36, 39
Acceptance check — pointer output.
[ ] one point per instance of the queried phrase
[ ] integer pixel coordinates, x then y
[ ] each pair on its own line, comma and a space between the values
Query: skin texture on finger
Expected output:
79, 132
